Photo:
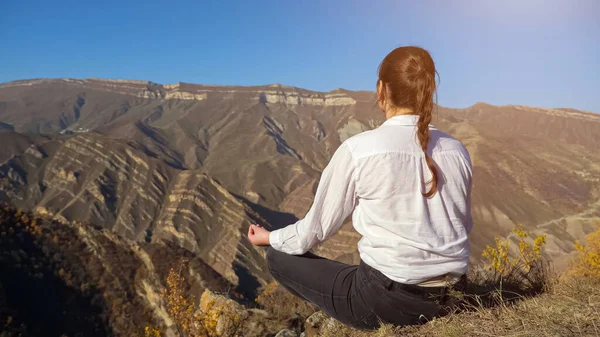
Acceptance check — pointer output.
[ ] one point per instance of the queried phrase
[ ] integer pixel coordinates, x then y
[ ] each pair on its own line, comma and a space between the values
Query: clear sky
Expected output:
533, 52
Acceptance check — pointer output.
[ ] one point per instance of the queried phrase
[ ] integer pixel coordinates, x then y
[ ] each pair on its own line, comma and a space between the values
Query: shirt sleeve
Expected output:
469, 224
469, 177
334, 201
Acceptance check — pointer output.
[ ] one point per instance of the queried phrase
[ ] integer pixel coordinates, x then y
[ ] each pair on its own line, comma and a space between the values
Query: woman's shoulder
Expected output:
444, 140
380, 140
441, 142
363, 140
386, 140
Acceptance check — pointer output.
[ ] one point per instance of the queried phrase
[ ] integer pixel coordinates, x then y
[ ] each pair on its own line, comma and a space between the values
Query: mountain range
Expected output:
193, 165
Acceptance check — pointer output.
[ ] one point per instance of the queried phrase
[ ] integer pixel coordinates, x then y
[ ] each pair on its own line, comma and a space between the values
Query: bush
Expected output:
588, 259
525, 269
188, 319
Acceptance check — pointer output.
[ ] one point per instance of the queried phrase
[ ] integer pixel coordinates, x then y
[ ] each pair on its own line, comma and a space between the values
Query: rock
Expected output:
286, 333
229, 318
227, 314
315, 322
353, 127
259, 323
295, 98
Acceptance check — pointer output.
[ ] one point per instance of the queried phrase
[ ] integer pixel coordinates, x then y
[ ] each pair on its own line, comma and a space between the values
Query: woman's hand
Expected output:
258, 236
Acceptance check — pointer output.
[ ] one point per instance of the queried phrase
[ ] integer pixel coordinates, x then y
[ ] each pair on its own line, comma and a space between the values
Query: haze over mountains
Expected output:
196, 164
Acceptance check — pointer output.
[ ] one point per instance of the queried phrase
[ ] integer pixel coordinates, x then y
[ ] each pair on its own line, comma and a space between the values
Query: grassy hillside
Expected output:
513, 295
571, 307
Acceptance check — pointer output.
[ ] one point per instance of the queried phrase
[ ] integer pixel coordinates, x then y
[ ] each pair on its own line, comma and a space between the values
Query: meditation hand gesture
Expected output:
258, 236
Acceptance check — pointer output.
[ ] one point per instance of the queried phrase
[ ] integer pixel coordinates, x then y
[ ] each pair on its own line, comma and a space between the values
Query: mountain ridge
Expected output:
285, 88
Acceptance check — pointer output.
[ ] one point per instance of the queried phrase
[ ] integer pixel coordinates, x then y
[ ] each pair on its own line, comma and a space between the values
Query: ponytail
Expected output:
408, 74
424, 102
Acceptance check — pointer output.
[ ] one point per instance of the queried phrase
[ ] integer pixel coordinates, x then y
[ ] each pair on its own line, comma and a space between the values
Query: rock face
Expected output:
228, 318
91, 178
195, 164
295, 98
88, 281
225, 312
353, 127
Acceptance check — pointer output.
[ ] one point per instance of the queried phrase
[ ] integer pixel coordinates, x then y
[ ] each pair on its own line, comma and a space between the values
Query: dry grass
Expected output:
281, 303
571, 307
284, 306
532, 302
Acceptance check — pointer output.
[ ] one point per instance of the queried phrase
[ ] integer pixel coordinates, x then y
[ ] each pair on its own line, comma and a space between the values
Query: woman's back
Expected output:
408, 188
406, 236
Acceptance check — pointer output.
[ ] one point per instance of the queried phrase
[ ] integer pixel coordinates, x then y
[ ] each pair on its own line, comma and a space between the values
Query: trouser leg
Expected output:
327, 284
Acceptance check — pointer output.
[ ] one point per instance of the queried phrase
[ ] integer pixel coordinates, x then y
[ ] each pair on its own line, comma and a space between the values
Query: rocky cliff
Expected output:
68, 278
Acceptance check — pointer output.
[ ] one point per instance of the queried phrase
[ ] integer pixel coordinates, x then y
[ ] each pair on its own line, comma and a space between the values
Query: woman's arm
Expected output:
334, 201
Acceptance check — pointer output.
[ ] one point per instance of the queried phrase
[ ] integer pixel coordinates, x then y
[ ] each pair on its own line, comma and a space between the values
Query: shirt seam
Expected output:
355, 168
412, 153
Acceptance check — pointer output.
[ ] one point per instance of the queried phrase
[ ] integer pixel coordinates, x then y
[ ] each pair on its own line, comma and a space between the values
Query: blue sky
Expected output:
533, 52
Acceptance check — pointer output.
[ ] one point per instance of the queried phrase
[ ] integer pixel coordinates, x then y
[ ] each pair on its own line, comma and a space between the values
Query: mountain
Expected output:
195, 164
72, 279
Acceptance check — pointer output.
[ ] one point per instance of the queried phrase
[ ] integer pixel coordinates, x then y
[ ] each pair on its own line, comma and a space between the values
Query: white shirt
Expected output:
379, 175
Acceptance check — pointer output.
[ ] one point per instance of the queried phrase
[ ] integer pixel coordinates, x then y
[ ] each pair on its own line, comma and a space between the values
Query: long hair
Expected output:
407, 78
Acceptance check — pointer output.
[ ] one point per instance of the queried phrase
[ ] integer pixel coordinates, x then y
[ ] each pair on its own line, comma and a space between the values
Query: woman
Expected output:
408, 186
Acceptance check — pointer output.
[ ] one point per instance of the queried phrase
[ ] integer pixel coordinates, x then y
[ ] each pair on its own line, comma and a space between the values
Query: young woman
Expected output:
408, 186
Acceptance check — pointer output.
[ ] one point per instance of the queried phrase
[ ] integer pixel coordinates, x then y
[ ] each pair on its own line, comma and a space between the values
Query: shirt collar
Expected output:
403, 120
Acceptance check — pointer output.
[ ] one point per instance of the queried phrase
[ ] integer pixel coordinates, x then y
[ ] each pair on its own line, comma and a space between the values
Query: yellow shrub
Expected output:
152, 332
500, 261
190, 321
588, 261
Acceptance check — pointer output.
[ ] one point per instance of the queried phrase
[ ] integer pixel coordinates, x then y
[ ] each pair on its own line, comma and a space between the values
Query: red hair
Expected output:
407, 77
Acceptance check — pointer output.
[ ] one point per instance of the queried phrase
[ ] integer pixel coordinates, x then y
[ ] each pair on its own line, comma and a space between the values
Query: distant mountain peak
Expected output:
278, 85
118, 80
481, 105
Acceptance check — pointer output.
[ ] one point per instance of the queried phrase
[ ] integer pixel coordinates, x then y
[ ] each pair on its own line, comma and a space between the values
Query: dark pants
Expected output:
358, 296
